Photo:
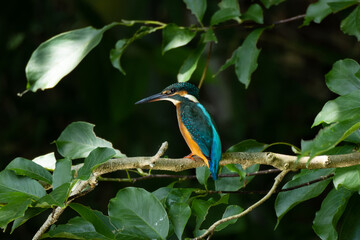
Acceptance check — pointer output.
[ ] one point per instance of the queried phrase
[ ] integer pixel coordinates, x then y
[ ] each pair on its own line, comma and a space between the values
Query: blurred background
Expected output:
286, 92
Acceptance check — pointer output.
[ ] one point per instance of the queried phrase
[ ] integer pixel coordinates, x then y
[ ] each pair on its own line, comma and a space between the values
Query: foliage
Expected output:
29, 187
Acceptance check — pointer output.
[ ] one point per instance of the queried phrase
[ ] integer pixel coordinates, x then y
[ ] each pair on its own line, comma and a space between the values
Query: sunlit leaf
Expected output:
179, 214
190, 64
22, 166
62, 173
59, 55
351, 24
138, 213
174, 37
344, 77
230, 210
96, 157
78, 140
254, 13
47, 161
285, 201
197, 8
332, 207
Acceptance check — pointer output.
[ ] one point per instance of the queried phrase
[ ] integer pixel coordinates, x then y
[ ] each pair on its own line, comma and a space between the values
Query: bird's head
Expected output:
175, 93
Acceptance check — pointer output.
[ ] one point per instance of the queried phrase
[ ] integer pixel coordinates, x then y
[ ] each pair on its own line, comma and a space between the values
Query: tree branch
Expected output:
212, 228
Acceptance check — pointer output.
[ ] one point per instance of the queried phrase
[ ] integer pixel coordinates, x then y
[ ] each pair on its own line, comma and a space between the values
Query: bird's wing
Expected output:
198, 122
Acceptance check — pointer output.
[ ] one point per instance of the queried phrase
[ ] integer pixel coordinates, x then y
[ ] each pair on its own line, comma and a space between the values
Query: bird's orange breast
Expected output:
194, 147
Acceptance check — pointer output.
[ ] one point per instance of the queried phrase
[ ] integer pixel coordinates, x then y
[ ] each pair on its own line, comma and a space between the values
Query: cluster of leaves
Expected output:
24, 182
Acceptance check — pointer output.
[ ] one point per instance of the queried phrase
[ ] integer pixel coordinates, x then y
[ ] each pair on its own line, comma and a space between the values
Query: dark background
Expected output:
286, 92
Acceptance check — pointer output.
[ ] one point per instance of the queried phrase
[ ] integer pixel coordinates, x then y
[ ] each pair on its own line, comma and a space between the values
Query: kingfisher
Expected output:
195, 123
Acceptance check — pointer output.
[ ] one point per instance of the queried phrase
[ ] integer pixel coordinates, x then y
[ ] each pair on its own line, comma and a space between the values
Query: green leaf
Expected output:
47, 161
351, 220
269, 3
122, 44
245, 57
29, 213
25, 167
179, 214
249, 145
14, 209
59, 55
76, 228
200, 209
129, 212
343, 108
235, 183
197, 8
329, 137
351, 24
343, 78
62, 173
202, 175
339, 5
285, 201
19, 186
97, 219
209, 36
78, 140
348, 177
230, 210
190, 64
223, 15
332, 207
96, 157
317, 12
56, 197
174, 37
254, 13
169, 195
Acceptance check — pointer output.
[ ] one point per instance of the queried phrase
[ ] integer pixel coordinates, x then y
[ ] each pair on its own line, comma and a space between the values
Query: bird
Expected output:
195, 123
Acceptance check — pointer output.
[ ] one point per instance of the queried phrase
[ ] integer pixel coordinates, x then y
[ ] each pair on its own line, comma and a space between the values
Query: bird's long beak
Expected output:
153, 98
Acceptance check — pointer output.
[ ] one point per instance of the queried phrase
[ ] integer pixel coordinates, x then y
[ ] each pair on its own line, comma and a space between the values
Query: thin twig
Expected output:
212, 228
290, 19
206, 66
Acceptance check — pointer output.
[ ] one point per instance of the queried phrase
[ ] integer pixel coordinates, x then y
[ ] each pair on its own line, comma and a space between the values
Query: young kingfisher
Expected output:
195, 123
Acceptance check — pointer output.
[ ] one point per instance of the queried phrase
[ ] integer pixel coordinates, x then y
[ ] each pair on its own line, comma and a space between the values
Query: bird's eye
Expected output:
172, 90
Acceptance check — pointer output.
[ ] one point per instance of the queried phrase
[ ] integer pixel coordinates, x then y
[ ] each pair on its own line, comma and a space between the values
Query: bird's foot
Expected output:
191, 156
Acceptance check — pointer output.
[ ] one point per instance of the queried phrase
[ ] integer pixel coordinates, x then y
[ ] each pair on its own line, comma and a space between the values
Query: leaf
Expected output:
245, 57
19, 186
76, 228
351, 24
78, 140
179, 214
29, 213
25, 167
96, 157
174, 37
343, 78
138, 213
329, 137
254, 13
197, 8
47, 161
14, 209
209, 36
200, 209
234, 183
339, 5
229, 211
202, 175
170, 196
56, 197
269, 3
343, 108
190, 64
348, 177
97, 219
317, 12
229, 9
59, 55
351, 220
122, 44
249, 145
332, 207
62, 173
285, 201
